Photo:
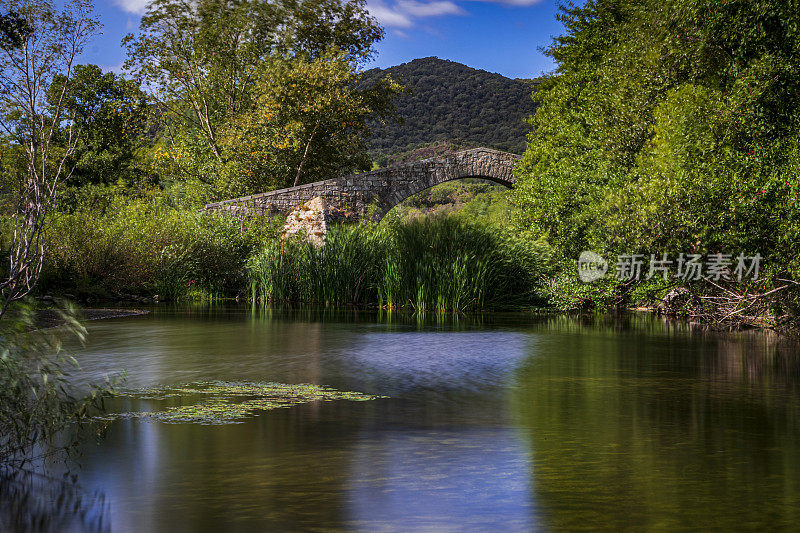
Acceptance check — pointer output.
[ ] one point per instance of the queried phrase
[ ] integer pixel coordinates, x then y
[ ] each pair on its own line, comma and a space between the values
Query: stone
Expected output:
375, 193
311, 219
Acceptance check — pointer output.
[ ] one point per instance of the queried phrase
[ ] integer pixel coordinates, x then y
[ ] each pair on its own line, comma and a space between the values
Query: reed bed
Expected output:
438, 264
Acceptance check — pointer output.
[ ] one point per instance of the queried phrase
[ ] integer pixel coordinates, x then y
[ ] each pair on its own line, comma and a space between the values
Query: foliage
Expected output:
423, 151
215, 66
308, 123
12, 169
470, 198
448, 101
149, 246
432, 264
37, 403
342, 272
566, 293
14, 28
112, 115
670, 126
226, 402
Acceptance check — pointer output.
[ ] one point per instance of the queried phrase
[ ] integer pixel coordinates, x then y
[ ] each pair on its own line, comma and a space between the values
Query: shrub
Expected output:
148, 246
37, 403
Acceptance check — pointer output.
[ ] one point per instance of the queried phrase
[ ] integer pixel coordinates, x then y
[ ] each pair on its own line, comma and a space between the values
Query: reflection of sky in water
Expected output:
469, 361
44, 503
476, 480
132, 475
620, 427
437, 455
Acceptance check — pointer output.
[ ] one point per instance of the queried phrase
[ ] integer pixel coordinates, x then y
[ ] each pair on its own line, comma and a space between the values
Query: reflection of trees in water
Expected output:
338, 315
759, 359
282, 471
662, 429
756, 357
34, 502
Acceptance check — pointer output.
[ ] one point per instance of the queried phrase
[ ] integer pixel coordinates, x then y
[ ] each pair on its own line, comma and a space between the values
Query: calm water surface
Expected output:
497, 423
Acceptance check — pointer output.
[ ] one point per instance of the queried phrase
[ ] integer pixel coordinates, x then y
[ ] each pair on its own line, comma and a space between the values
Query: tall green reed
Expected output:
438, 264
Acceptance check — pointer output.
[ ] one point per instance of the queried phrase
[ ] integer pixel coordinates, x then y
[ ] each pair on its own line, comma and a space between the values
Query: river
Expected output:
505, 422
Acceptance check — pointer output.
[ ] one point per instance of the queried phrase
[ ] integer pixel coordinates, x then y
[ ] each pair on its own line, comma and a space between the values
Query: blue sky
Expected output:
502, 36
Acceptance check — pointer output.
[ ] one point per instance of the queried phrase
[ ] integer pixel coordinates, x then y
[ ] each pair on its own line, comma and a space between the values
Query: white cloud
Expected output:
137, 7
119, 68
398, 14
388, 16
403, 13
431, 9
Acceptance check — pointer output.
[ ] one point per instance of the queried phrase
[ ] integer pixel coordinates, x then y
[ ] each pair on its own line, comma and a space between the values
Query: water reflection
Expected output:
663, 431
496, 422
32, 502
403, 362
467, 480
280, 472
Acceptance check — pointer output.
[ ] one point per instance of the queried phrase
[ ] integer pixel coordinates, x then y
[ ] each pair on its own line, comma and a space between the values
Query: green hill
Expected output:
448, 101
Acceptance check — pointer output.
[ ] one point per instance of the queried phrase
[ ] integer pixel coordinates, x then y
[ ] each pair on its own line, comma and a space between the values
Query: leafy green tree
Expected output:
203, 61
112, 114
308, 123
13, 29
38, 45
669, 126
30, 68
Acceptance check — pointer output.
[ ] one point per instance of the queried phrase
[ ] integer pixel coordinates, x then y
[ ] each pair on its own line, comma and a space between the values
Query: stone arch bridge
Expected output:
378, 191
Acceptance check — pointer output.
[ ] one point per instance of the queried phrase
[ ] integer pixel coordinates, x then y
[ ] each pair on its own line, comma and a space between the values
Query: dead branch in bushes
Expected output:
735, 307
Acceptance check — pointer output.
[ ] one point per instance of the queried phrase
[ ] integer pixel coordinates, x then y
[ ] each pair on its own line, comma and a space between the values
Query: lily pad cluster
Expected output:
224, 402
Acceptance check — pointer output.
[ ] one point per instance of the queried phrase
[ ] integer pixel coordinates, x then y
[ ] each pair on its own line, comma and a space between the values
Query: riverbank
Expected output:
50, 318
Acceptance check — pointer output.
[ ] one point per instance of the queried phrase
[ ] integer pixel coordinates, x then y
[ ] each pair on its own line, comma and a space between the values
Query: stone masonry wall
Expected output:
384, 188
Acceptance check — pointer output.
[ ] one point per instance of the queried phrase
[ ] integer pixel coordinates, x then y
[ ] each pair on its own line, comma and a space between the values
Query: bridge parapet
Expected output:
383, 188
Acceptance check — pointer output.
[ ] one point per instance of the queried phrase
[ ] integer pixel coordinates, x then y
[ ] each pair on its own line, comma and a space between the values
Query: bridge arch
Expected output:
359, 194
439, 174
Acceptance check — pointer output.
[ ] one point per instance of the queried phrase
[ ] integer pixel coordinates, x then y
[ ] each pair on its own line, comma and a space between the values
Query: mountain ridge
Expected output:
452, 102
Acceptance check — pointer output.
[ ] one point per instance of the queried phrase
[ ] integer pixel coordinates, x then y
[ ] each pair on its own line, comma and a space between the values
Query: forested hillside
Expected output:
448, 101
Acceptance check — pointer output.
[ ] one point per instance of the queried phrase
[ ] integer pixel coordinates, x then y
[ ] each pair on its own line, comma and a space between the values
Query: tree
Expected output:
201, 58
308, 122
112, 114
669, 126
29, 69
13, 29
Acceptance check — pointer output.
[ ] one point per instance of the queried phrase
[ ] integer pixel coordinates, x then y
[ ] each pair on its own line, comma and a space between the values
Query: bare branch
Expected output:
28, 71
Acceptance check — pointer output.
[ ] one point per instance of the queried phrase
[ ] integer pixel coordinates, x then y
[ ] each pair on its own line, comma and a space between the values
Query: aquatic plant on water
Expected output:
224, 402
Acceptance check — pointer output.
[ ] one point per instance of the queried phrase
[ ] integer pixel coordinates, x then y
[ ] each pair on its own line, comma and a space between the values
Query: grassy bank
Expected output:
442, 263
148, 247
135, 248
